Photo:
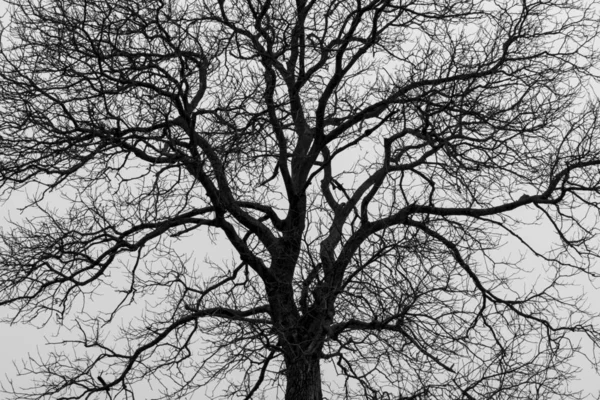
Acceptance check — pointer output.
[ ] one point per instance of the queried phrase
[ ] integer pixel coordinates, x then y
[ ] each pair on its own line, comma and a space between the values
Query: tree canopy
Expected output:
368, 169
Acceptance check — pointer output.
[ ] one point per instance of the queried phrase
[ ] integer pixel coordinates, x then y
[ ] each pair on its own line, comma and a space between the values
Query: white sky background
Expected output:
18, 340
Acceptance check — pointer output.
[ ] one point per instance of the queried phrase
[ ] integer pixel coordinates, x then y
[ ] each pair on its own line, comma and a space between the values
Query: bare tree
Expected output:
371, 166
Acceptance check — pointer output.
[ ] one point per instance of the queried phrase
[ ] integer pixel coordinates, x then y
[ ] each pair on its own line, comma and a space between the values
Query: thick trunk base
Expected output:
303, 380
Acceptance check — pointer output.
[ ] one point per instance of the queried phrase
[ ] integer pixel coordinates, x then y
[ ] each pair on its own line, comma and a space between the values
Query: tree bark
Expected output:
303, 379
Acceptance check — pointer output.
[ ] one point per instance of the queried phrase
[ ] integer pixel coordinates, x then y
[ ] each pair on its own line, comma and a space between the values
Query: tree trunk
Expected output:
303, 379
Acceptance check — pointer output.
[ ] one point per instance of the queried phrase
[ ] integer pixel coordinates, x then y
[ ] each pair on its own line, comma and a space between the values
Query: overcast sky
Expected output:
18, 340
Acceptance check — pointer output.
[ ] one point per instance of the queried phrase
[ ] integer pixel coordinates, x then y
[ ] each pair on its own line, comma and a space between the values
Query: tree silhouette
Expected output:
368, 169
